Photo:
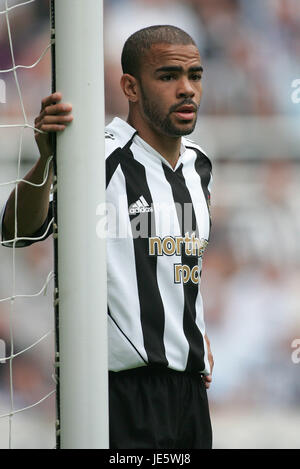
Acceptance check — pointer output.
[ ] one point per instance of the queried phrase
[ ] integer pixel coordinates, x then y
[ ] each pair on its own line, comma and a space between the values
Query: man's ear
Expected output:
129, 87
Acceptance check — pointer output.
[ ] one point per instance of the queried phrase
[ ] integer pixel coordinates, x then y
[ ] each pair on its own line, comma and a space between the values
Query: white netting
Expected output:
26, 315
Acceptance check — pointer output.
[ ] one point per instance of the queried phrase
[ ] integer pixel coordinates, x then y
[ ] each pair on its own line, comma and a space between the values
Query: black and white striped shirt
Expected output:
157, 224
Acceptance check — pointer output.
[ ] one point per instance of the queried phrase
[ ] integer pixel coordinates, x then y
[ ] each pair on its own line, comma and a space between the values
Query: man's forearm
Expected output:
32, 203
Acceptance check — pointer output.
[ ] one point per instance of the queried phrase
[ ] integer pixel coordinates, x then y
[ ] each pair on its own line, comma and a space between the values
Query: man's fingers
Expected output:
207, 380
57, 109
56, 119
52, 127
53, 123
43, 118
52, 99
54, 116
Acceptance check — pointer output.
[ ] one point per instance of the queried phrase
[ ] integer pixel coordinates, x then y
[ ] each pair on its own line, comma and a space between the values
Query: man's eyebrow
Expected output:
175, 68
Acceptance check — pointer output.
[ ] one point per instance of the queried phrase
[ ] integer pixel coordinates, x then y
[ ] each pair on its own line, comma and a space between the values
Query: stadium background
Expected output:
249, 125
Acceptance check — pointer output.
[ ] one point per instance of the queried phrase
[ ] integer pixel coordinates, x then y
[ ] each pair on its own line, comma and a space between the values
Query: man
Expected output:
158, 183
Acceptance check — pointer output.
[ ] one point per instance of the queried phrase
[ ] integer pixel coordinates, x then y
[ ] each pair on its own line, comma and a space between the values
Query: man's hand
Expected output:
54, 117
208, 379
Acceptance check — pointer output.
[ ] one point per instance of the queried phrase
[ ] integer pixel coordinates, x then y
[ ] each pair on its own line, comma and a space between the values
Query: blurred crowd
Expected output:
250, 49
250, 285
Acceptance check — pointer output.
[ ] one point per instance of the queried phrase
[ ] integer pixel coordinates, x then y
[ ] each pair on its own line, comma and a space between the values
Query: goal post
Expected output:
80, 163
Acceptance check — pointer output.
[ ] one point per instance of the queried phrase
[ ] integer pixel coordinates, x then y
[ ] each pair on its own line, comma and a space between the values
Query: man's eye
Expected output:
167, 77
196, 77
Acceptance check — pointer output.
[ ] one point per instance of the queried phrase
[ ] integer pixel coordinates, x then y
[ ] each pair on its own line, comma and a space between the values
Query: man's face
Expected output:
170, 88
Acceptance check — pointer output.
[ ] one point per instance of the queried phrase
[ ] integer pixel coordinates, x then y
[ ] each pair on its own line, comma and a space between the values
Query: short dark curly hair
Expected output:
138, 43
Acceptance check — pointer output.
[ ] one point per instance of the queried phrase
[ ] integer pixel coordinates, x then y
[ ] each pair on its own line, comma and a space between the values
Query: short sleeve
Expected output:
41, 234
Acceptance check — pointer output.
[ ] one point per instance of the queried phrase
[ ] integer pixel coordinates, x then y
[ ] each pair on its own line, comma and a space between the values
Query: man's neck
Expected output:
168, 147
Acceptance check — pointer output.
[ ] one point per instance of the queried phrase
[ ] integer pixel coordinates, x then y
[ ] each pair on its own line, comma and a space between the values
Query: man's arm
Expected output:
33, 202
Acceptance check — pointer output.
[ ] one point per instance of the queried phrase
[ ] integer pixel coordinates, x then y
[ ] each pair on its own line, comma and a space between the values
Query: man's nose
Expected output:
185, 88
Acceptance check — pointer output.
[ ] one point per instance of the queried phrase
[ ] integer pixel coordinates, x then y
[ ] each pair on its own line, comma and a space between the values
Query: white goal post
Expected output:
80, 161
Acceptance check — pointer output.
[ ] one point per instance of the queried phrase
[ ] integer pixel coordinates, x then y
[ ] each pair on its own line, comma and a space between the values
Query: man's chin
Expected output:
175, 129
183, 127
183, 132
180, 131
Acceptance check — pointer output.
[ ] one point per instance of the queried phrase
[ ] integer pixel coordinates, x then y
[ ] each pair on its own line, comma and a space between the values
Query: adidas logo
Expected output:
140, 206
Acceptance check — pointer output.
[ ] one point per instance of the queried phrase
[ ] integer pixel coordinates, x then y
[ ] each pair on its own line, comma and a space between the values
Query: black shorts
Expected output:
158, 408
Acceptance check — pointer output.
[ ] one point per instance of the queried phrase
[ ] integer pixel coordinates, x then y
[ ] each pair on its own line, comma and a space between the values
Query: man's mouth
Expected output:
185, 112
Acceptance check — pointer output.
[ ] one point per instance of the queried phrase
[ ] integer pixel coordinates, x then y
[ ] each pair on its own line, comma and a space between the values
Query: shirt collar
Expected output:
122, 128
126, 130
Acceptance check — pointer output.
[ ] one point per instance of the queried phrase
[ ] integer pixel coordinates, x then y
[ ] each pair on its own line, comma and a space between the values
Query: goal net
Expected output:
27, 411
32, 413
